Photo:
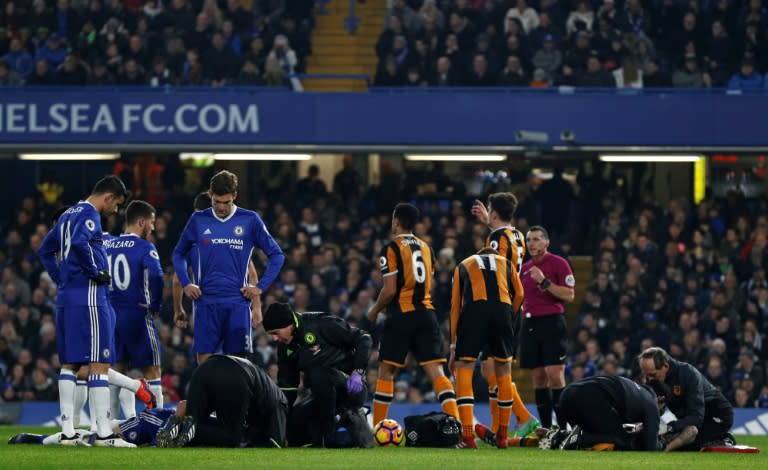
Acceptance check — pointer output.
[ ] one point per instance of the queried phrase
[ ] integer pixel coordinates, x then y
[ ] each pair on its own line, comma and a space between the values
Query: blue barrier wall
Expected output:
746, 421
251, 117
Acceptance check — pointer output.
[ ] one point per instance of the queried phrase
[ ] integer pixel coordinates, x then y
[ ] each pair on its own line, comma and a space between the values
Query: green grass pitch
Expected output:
32, 456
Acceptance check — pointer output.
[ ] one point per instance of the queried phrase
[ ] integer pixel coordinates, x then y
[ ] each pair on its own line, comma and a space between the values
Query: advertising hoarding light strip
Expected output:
68, 156
650, 158
455, 158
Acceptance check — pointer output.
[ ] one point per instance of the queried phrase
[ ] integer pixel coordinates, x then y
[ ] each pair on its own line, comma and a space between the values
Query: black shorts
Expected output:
517, 325
417, 332
543, 341
487, 327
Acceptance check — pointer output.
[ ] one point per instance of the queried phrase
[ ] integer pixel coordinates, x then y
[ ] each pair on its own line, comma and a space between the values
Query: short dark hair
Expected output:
539, 228
487, 251
504, 204
407, 215
659, 356
138, 209
58, 213
223, 182
110, 184
202, 201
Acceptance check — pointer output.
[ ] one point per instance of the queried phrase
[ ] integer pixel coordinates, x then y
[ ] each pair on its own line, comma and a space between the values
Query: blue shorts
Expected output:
136, 339
87, 334
143, 428
225, 326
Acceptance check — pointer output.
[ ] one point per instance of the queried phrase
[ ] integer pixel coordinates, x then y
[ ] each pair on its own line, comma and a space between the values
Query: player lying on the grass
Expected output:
139, 430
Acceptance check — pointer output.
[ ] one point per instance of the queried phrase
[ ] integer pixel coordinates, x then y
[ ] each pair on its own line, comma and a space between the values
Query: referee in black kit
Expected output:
548, 283
250, 408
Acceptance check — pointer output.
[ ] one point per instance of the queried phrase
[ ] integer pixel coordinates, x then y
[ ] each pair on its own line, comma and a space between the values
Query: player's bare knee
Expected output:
433, 371
151, 372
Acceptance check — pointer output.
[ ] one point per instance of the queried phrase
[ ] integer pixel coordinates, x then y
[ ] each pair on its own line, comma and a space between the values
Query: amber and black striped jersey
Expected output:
489, 278
412, 261
510, 243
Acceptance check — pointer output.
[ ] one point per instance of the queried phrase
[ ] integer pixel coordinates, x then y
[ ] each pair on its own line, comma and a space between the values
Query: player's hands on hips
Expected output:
192, 291
250, 292
180, 318
256, 316
535, 274
355, 382
479, 210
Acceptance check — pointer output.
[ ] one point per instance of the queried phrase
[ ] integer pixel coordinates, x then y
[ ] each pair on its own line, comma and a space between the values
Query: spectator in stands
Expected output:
548, 58
219, 61
132, 74
595, 75
717, 376
18, 59
273, 74
192, 69
747, 78
462, 28
480, 75
41, 75
72, 72
160, 74
690, 75
250, 74
528, 17
654, 77
54, 51
7, 76
444, 74
430, 12
580, 19
282, 52
513, 74
717, 53
100, 75
409, 19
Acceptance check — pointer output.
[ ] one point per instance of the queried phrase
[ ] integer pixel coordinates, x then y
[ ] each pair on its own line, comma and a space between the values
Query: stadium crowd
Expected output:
155, 43
583, 43
686, 277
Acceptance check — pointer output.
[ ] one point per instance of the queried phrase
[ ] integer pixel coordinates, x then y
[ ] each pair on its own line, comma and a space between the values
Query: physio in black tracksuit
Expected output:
332, 355
602, 404
693, 399
249, 406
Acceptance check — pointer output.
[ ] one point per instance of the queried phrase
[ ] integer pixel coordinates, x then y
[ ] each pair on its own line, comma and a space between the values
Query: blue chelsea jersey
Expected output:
137, 277
73, 253
223, 250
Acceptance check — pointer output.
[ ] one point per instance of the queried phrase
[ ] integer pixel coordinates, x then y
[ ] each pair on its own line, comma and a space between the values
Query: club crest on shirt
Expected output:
154, 254
677, 390
238, 230
105, 353
90, 225
570, 281
309, 338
